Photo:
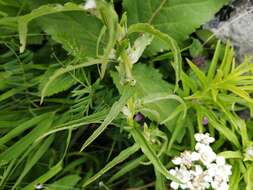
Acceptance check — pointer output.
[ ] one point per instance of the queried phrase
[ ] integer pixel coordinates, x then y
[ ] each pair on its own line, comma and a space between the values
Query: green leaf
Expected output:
177, 18
110, 19
115, 110
58, 73
78, 36
169, 43
160, 183
127, 168
45, 177
150, 153
20, 146
213, 66
33, 159
249, 178
60, 84
149, 81
196, 49
123, 155
231, 154
201, 76
22, 127
235, 178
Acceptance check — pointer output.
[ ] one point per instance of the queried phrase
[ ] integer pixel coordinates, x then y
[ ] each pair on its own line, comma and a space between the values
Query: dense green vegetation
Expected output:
104, 97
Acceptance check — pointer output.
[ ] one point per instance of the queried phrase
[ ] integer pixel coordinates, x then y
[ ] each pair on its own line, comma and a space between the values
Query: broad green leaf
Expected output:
67, 182
123, 155
115, 110
76, 35
149, 81
20, 146
177, 18
77, 32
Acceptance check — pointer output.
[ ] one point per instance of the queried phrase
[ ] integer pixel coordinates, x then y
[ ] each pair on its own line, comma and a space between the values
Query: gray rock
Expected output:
238, 28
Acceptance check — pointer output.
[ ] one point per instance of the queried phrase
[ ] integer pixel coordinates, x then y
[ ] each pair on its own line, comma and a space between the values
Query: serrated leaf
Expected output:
60, 84
178, 18
78, 36
62, 71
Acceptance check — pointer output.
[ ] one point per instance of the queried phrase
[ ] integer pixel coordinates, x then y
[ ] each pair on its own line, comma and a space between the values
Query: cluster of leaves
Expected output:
67, 73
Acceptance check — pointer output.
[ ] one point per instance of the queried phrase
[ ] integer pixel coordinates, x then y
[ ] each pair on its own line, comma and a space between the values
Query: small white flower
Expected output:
186, 158
220, 160
126, 111
204, 138
174, 185
183, 175
90, 4
206, 154
202, 169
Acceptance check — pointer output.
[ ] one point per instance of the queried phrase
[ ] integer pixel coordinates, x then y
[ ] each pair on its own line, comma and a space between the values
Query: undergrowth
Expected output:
98, 97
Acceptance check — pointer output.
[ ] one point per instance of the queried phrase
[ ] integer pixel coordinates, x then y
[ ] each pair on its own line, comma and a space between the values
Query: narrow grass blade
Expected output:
33, 159
120, 158
45, 177
128, 167
115, 110
19, 147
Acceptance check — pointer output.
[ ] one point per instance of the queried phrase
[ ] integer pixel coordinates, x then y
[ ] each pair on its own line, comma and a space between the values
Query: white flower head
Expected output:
201, 169
183, 175
206, 153
90, 4
204, 138
186, 158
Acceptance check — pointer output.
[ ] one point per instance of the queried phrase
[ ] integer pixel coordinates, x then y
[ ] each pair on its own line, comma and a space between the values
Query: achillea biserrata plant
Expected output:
201, 169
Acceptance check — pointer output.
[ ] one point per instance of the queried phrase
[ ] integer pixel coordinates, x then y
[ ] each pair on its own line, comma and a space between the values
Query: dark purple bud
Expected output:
244, 114
205, 121
199, 61
139, 117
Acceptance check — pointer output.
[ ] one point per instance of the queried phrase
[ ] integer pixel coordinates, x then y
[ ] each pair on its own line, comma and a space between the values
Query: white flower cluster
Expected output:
201, 169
